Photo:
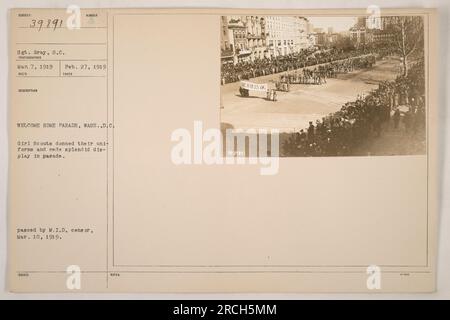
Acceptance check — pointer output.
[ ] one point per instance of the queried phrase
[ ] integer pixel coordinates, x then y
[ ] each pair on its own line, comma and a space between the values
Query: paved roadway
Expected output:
303, 103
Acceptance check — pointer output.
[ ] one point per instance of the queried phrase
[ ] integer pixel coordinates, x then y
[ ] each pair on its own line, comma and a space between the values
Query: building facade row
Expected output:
248, 38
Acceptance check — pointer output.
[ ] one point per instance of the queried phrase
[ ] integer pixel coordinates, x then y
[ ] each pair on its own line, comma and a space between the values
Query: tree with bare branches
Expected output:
408, 38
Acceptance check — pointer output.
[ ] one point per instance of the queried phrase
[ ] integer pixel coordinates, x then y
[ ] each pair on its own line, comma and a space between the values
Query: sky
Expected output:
338, 23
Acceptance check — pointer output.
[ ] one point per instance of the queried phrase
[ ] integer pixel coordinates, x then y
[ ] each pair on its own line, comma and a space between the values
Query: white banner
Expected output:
254, 86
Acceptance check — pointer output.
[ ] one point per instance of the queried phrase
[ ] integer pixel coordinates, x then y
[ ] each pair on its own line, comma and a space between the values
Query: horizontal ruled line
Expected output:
52, 28
62, 43
42, 60
237, 271
61, 76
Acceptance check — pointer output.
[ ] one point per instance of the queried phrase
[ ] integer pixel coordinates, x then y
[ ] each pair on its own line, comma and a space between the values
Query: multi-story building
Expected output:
286, 35
309, 27
383, 29
373, 30
320, 38
361, 21
226, 41
312, 39
332, 38
246, 38
358, 35
256, 36
238, 31
304, 42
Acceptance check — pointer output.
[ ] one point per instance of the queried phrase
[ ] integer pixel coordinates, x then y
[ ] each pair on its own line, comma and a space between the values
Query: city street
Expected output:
304, 102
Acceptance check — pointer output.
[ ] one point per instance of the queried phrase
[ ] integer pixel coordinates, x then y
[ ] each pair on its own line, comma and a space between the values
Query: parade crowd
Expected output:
260, 67
399, 103
319, 74
315, 75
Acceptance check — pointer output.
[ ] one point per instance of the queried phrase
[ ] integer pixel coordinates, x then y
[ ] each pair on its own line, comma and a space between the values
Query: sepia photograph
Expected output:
266, 151
330, 85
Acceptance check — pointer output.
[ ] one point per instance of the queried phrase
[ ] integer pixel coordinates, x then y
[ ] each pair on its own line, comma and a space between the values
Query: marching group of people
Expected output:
260, 67
315, 75
319, 74
399, 104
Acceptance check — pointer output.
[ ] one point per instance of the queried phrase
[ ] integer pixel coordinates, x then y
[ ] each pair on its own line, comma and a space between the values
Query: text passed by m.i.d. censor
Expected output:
194, 150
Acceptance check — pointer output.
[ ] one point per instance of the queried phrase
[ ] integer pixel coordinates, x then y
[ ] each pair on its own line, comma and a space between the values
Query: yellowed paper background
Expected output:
155, 226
